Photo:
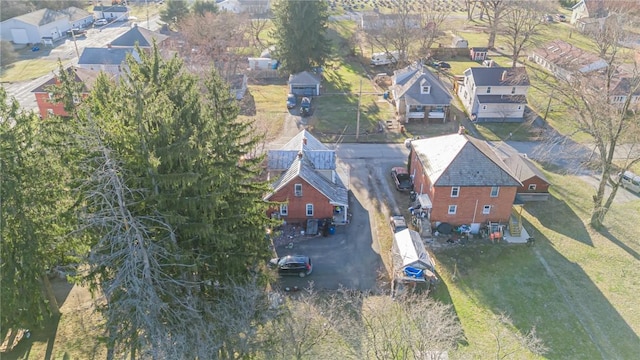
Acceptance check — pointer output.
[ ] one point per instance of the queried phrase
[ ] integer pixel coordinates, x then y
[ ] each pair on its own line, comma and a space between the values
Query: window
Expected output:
494, 191
297, 189
50, 112
513, 90
519, 107
486, 209
76, 99
284, 209
452, 209
426, 89
532, 187
455, 191
51, 96
309, 209
488, 89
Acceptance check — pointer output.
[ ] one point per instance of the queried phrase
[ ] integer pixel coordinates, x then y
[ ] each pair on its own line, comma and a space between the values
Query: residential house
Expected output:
139, 36
564, 60
111, 13
478, 53
589, 15
593, 9
622, 86
44, 25
307, 185
304, 84
109, 60
535, 186
494, 94
45, 97
464, 179
419, 94
257, 7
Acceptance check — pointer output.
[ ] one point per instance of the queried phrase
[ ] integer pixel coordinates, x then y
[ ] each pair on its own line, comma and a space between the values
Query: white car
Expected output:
101, 22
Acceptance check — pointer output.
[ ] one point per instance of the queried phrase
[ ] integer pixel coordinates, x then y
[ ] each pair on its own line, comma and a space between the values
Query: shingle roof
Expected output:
519, 164
85, 76
114, 8
336, 193
408, 84
41, 17
316, 152
104, 56
485, 76
141, 36
303, 78
462, 160
75, 13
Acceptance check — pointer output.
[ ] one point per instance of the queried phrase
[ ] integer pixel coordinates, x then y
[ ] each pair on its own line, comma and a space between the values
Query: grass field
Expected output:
23, 70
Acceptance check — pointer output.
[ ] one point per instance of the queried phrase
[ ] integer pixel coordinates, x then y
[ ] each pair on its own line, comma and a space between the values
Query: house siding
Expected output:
45, 104
541, 186
297, 204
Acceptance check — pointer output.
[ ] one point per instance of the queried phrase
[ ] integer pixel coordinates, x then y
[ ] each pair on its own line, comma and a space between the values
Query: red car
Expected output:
402, 178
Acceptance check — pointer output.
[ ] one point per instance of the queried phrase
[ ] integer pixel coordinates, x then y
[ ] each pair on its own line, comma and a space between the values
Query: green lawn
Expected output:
23, 70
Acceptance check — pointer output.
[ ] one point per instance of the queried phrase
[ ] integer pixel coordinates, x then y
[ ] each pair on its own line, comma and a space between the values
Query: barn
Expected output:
31, 28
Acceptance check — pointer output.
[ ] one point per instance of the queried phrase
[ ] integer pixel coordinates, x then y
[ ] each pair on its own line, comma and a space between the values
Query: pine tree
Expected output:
300, 34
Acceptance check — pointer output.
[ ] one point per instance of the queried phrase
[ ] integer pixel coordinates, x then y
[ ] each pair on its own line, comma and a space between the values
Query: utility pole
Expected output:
358, 116
73, 35
146, 3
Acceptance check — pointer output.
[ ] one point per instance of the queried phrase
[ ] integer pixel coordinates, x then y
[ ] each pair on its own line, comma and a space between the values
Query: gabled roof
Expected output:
75, 13
493, 76
523, 168
140, 36
567, 56
303, 78
336, 193
114, 8
41, 17
479, 49
85, 76
408, 84
462, 160
320, 156
104, 56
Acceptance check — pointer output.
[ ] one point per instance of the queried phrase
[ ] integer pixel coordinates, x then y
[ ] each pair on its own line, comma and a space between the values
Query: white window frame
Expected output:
495, 191
297, 190
488, 89
51, 96
455, 191
76, 99
309, 209
513, 90
532, 187
426, 89
486, 210
284, 209
452, 209
50, 112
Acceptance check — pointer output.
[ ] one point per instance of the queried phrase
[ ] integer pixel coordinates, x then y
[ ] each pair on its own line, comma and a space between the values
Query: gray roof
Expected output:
462, 160
104, 56
502, 99
114, 8
140, 36
41, 17
84, 76
303, 78
336, 193
408, 84
522, 167
314, 151
75, 13
493, 76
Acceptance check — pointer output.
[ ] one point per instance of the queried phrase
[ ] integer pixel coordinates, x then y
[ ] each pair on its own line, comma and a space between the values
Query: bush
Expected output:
7, 53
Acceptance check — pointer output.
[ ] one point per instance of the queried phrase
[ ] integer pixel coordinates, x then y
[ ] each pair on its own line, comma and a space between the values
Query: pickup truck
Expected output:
402, 179
305, 106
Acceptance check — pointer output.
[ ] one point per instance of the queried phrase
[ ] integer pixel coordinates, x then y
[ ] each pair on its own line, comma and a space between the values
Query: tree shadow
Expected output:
620, 244
571, 226
47, 334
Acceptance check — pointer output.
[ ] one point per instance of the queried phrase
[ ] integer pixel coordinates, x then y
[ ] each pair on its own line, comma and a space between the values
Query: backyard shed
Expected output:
478, 53
459, 42
409, 251
304, 84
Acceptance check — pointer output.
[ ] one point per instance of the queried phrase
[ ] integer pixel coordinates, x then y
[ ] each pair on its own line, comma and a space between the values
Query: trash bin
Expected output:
332, 230
385, 95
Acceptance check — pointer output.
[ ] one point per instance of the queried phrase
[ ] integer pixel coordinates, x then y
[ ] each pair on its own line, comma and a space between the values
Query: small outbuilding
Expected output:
478, 53
408, 251
459, 42
304, 84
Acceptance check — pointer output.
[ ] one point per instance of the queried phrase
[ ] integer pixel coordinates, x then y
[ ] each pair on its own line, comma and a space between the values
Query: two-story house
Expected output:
419, 94
464, 179
109, 60
494, 94
46, 99
307, 185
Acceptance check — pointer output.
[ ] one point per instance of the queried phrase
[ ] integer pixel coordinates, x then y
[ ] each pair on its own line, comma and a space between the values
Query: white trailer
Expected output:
384, 58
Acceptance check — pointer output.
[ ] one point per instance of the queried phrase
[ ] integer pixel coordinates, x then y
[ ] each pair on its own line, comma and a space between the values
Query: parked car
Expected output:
299, 265
444, 65
397, 223
291, 101
76, 32
305, 106
630, 181
402, 178
101, 22
561, 18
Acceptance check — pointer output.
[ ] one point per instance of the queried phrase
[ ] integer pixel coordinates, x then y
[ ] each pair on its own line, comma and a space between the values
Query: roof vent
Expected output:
505, 74
300, 155
304, 141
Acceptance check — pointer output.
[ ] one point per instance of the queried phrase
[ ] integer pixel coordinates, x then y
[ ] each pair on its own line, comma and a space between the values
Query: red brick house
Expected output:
306, 185
464, 179
535, 186
44, 96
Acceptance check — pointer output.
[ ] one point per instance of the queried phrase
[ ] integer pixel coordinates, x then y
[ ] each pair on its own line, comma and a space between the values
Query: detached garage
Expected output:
304, 84
31, 28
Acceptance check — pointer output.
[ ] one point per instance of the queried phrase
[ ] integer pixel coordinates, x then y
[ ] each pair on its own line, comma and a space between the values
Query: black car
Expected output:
401, 178
444, 65
299, 265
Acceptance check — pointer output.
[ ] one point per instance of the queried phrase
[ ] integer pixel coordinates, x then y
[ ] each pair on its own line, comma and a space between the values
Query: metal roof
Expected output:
41, 17
313, 150
114, 8
493, 76
462, 160
408, 84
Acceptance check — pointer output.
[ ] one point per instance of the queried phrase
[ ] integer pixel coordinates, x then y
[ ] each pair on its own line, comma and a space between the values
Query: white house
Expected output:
494, 94
563, 59
115, 12
419, 94
42, 25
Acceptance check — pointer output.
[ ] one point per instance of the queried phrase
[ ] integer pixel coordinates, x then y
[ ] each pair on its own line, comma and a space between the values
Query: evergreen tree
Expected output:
300, 34
174, 11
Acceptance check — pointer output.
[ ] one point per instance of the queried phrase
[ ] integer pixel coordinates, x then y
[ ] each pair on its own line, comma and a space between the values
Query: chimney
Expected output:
299, 155
504, 75
304, 141
109, 45
461, 130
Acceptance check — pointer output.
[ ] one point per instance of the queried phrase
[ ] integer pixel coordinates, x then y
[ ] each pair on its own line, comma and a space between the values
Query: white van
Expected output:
630, 181
383, 58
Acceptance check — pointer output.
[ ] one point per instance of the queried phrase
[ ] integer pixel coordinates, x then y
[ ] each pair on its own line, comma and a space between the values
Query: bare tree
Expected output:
494, 9
395, 31
432, 20
257, 22
521, 25
470, 7
510, 341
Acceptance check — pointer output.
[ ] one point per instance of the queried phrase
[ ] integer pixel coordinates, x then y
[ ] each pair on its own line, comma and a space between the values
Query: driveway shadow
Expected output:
344, 259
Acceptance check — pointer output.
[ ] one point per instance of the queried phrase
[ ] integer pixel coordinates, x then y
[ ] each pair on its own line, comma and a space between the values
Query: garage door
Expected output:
301, 90
19, 36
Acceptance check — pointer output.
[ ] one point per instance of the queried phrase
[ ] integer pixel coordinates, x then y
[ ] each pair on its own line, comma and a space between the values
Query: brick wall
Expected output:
541, 186
45, 104
297, 204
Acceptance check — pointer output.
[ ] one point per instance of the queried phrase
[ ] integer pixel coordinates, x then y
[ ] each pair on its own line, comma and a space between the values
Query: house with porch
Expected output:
461, 180
419, 95
306, 184
47, 106
494, 94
